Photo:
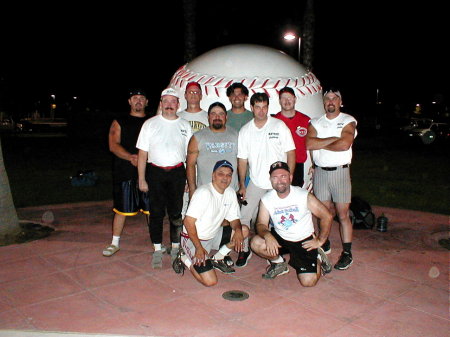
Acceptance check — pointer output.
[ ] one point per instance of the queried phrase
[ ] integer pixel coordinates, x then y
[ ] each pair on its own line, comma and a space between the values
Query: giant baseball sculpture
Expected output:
260, 69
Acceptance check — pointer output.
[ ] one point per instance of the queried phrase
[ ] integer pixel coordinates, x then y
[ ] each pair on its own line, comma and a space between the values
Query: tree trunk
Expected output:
9, 222
308, 35
189, 30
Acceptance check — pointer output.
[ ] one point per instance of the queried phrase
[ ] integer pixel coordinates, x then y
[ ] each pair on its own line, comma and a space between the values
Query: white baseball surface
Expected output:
259, 68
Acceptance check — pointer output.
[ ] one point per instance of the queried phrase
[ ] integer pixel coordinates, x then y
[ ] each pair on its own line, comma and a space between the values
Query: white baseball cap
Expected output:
171, 92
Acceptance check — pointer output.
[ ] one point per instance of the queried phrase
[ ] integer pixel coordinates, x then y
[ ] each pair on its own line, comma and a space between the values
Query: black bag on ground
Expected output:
361, 214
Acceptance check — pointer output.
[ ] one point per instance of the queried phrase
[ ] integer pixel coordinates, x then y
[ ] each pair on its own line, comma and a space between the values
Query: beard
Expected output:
281, 188
331, 108
217, 125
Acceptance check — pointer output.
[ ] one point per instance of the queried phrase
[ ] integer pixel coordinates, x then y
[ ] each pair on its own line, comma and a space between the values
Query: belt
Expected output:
333, 168
167, 168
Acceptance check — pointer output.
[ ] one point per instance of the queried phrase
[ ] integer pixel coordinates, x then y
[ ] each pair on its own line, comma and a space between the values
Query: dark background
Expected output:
97, 52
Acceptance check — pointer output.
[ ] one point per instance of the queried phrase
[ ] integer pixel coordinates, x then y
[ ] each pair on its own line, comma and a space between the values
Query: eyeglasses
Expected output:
194, 92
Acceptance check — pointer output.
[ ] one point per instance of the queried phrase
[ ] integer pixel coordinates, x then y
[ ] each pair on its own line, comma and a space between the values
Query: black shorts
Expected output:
301, 260
129, 200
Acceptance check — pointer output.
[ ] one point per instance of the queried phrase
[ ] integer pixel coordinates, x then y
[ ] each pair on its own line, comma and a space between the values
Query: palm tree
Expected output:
189, 30
308, 35
9, 222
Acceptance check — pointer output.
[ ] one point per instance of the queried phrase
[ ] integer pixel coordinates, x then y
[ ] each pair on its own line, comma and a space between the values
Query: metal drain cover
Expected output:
235, 295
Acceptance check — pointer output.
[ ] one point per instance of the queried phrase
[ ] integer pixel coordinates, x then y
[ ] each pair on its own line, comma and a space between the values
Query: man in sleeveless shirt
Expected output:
290, 210
123, 134
330, 140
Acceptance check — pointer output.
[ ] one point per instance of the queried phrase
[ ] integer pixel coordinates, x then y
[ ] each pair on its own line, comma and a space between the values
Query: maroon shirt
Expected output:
299, 128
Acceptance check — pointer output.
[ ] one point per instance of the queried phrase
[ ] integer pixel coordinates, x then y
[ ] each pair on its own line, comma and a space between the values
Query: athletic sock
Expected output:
245, 245
347, 246
157, 246
279, 259
175, 245
223, 251
115, 241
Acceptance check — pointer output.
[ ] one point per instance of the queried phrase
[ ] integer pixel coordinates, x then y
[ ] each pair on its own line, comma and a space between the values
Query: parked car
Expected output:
42, 125
427, 130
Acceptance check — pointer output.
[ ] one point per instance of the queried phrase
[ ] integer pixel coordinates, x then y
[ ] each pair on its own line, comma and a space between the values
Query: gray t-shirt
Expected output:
215, 146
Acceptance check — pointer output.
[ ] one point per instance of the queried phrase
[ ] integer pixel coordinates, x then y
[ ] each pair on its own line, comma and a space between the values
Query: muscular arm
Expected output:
344, 142
242, 171
191, 162
315, 143
142, 163
115, 147
323, 214
291, 160
200, 252
262, 228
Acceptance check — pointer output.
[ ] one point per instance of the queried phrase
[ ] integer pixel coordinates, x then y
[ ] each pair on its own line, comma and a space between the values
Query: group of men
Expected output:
239, 175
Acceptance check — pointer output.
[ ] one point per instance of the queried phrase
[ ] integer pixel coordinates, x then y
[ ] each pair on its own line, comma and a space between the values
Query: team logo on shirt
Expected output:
301, 131
287, 218
340, 125
183, 132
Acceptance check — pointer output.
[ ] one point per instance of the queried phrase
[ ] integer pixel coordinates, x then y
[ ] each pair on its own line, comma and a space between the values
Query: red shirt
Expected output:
299, 127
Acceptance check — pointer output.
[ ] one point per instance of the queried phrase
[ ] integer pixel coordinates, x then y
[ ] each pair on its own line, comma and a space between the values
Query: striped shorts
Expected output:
333, 186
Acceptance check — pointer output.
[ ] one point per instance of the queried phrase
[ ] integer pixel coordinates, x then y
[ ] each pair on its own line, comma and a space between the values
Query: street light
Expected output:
291, 37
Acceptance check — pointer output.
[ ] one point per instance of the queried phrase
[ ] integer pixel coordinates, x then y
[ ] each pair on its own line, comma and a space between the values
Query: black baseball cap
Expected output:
137, 91
279, 165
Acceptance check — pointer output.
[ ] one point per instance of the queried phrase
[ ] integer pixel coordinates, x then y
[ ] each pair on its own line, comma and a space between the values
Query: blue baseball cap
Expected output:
223, 163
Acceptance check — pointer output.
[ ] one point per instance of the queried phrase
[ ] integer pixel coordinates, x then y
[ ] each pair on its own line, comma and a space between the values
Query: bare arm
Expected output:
291, 160
115, 147
323, 214
142, 164
344, 142
315, 143
191, 162
238, 238
200, 252
242, 171
262, 229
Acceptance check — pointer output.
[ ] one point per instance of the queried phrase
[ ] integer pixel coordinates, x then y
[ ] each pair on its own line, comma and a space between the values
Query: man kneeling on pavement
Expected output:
290, 210
212, 221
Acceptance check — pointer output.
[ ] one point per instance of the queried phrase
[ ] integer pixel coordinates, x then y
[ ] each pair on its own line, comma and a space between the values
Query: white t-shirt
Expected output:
291, 217
332, 128
197, 120
263, 147
165, 140
210, 208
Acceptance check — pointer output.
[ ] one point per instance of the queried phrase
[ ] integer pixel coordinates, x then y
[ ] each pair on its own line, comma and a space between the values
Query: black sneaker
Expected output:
325, 263
177, 264
344, 261
228, 260
327, 247
276, 269
222, 266
243, 258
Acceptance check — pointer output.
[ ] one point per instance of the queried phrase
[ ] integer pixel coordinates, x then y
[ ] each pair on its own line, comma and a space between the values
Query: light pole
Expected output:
291, 37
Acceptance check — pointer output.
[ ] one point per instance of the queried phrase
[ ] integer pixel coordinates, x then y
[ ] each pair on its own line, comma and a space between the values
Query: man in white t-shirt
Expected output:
262, 141
290, 210
162, 145
194, 114
204, 228
330, 140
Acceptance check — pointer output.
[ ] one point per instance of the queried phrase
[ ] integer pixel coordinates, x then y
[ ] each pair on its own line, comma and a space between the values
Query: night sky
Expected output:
97, 53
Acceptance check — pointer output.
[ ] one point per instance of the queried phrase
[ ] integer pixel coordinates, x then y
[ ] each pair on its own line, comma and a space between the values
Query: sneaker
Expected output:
325, 263
157, 259
174, 253
243, 258
228, 260
110, 250
327, 247
276, 269
344, 261
222, 266
177, 264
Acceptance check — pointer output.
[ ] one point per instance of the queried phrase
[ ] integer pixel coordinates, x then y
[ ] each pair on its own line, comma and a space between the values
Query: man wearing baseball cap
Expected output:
162, 145
330, 139
194, 114
204, 229
290, 208
298, 124
123, 133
